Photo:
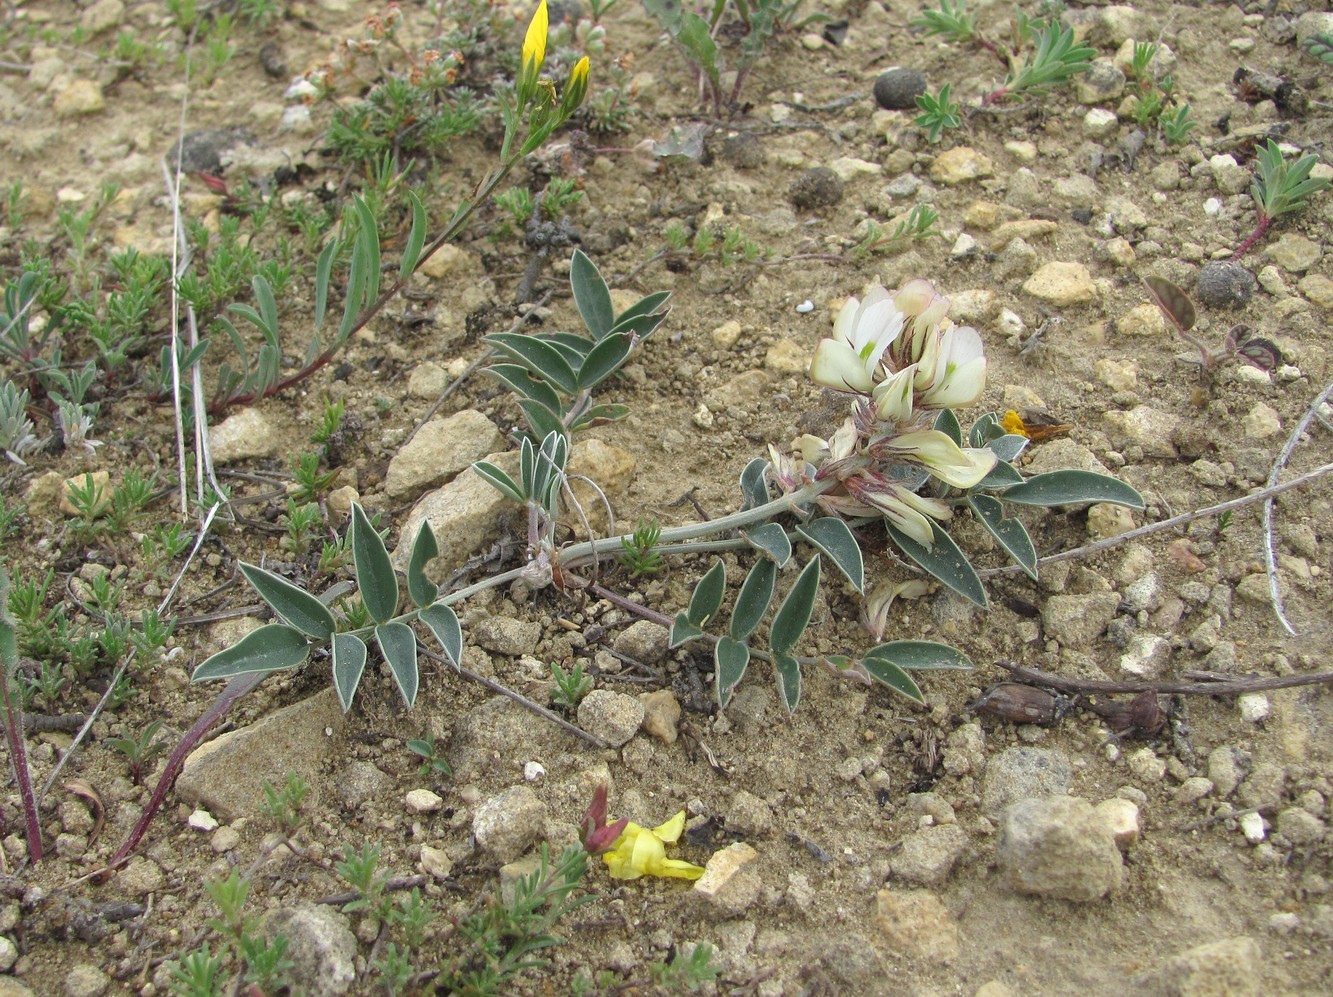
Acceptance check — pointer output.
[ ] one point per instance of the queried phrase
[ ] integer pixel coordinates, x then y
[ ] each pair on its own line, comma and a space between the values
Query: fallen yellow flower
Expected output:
641, 851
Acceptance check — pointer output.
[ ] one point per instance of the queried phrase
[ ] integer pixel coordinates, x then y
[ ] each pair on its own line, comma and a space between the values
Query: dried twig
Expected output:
1235, 687
517, 697
1270, 552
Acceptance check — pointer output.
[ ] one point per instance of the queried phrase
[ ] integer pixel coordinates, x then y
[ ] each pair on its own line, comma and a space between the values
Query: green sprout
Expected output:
1057, 59
138, 751
940, 112
1177, 127
1279, 188
570, 686
951, 20
1321, 47
434, 757
284, 805
637, 553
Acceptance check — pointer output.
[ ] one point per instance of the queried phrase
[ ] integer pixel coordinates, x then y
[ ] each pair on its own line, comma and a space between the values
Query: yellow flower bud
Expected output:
576, 88
534, 44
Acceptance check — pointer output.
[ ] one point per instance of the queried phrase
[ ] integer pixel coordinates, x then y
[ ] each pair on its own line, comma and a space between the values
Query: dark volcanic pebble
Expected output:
816, 188
898, 88
1224, 284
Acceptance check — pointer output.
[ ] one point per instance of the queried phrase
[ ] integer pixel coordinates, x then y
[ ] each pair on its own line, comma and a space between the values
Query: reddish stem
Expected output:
1255, 236
18, 755
226, 699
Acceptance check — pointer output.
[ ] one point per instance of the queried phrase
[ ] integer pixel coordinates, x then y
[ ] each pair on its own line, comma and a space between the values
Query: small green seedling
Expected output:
138, 751
939, 112
435, 762
1279, 188
284, 805
638, 554
570, 686
1057, 59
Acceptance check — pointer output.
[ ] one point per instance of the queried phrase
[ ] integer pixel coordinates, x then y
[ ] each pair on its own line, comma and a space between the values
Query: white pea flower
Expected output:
851, 360
945, 459
960, 371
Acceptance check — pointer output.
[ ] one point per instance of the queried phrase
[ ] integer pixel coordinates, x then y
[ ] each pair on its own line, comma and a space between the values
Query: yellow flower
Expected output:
534, 44
642, 852
576, 88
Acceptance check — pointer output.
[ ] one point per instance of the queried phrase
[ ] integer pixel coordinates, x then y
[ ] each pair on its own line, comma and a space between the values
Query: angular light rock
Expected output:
1057, 846
441, 449
917, 924
1062, 284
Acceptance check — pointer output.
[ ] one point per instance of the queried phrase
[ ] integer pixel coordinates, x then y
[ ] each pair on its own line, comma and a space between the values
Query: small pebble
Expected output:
534, 771
897, 89
422, 801
1253, 707
1223, 284
1252, 826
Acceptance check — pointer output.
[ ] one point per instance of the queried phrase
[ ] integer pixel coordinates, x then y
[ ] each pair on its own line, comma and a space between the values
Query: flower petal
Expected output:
836, 365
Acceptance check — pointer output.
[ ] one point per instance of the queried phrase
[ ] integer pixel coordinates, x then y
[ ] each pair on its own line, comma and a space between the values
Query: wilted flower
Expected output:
595, 833
641, 851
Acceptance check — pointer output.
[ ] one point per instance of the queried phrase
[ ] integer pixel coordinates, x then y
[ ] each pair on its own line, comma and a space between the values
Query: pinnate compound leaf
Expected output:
424, 550
730, 659
885, 671
443, 623
374, 571
499, 480
944, 560
682, 630
753, 599
1011, 533
834, 539
793, 616
591, 295
295, 605
707, 596
416, 237
772, 540
398, 644
270, 648
787, 673
349, 662
1072, 487
921, 655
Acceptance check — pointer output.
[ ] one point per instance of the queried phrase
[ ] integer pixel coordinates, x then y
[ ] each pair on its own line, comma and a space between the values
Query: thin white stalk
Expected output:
1270, 551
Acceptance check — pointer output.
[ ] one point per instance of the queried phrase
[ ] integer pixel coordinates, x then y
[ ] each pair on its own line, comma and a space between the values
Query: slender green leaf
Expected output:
605, 359
730, 659
921, 655
707, 596
294, 604
374, 571
696, 37
754, 483
645, 307
787, 672
9, 652
600, 415
753, 599
542, 421
591, 295
398, 644
357, 278
834, 539
682, 630
498, 479
1011, 533
349, 662
443, 623
268, 305
267, 649
416, 237
944, 560
424, 550
885, 671
772, 540
523, 384
1072, 488
323, 275
539, 357
368, 238
947, 423
793, 616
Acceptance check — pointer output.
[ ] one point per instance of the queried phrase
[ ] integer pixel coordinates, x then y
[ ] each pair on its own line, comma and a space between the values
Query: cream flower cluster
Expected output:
903, 359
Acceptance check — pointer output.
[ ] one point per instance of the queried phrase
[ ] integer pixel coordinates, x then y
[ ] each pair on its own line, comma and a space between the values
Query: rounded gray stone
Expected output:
898, 88
613, 716
507, 824
1024, 773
